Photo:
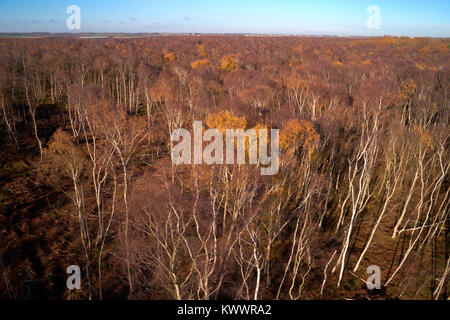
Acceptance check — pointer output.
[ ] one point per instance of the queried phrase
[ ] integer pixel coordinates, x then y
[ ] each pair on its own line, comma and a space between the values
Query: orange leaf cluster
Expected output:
169, 57
297, 133
408, 89
224, 120
202, 63
228, 63
201, 50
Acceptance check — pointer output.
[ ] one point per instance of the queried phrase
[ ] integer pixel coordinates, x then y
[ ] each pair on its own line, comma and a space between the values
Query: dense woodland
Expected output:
87, 179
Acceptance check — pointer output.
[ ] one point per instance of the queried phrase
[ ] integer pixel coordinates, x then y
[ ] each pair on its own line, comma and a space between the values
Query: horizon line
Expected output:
223, 33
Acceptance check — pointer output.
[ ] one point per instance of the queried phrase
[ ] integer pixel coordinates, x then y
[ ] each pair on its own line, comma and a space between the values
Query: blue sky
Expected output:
338, 17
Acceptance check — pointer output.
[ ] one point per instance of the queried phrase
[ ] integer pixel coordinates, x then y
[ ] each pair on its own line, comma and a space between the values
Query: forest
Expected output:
87, 178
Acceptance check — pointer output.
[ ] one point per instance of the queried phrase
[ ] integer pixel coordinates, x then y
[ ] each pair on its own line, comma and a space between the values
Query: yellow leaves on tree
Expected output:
408, 88
201, 51
224, 120
62, 158
169, 57
202, 63
260, 126
426, 139
228, 63
298, 133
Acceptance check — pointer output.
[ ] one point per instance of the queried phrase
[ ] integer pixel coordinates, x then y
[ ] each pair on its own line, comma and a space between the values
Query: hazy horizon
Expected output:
343, 18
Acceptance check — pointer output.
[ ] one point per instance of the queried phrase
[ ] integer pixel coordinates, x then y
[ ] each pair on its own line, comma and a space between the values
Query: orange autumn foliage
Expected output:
201, 50
408, 88
202, 63
169, 57
228, 63
298, 133
224, 120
